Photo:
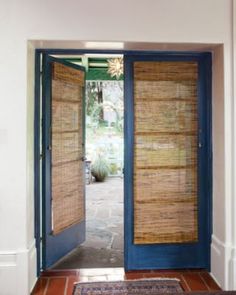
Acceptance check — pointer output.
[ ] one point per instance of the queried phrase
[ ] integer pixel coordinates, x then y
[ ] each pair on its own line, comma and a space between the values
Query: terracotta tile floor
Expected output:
60, 282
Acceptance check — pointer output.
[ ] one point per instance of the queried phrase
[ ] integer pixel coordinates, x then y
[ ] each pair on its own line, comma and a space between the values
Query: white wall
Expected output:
188, 24
232, 268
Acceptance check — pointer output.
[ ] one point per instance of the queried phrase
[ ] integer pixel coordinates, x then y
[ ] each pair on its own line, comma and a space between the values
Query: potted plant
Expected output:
100, 169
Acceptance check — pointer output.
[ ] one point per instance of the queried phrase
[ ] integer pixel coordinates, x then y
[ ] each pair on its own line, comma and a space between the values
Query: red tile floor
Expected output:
61, 282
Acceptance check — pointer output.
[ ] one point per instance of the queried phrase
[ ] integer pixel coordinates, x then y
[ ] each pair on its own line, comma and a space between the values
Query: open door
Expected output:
167, 161
63, 185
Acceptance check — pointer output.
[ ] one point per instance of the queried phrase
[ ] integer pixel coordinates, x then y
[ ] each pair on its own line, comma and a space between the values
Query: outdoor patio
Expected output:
104, 228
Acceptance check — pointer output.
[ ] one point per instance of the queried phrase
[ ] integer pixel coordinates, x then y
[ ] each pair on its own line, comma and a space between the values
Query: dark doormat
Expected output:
129, 287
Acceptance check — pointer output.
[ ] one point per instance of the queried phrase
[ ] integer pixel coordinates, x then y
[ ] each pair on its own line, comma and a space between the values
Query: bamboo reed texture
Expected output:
165, 152
67, 174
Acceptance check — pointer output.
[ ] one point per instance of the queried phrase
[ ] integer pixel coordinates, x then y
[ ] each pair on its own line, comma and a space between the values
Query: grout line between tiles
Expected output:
46, 287
66, 285
185, 281
204, 281
58, 277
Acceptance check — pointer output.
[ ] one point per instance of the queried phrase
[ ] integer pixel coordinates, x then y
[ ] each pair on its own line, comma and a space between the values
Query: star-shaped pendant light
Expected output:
115, 67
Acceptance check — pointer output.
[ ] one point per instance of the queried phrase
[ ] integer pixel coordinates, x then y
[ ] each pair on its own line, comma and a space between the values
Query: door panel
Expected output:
165, 145
167, 198
67, 147
64, 180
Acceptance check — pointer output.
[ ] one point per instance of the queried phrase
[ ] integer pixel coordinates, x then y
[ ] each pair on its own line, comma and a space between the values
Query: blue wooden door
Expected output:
167, 161
63, 158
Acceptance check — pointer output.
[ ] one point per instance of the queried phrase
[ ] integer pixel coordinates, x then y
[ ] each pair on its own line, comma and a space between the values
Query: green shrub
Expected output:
100, 169
103, 123
113, 168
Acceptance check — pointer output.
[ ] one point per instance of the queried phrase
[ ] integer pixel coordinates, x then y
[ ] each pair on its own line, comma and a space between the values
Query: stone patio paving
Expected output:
104, 228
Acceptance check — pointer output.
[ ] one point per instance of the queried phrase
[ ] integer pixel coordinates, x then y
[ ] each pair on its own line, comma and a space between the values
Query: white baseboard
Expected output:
221, 260
18, 271
232, 270
217, 261
32, 266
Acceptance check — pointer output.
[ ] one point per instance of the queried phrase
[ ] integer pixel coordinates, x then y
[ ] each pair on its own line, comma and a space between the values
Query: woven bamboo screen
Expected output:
165, 152
67, 147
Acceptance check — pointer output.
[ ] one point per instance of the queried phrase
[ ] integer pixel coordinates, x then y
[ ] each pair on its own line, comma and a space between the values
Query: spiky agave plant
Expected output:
100, 169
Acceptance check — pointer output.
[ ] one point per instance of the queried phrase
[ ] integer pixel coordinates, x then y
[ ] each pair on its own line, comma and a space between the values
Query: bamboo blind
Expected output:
165, 152
67, 148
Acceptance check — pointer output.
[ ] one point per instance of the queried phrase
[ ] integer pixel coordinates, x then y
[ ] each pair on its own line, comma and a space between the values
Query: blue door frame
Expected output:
204, 60
171, 256
55, 246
